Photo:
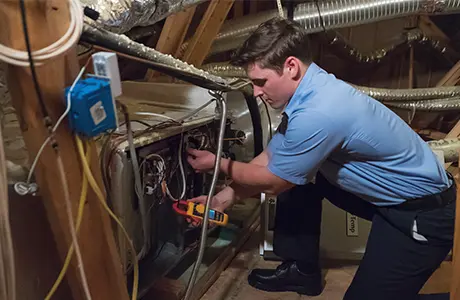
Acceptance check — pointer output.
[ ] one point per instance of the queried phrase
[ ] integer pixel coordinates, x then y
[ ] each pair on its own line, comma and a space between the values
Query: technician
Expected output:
361, 156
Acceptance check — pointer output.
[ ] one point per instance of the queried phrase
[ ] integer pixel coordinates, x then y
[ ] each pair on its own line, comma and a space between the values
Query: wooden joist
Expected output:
455, 282
47, 21
200, 44
172, 36
238, 9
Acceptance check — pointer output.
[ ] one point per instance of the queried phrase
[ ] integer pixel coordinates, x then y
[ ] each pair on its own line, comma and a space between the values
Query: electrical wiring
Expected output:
100, 196
55, 127
68, 258
138, 188
73, 232
223, 120
32, 63
60, 47
7, 265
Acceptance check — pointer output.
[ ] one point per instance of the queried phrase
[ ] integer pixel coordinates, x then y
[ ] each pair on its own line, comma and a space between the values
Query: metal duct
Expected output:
450, 148
410, 94
438, 105
155, 59
399, 45
334, 14
382, 94
121, 15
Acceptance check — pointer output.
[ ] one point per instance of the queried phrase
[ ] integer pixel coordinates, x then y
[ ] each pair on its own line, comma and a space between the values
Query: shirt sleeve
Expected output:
308, 141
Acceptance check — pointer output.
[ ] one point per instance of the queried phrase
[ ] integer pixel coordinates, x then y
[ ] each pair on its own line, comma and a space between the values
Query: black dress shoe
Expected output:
286, 277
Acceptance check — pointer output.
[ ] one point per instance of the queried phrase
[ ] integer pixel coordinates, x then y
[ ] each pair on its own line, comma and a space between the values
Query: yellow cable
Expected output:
81, 206
101, 198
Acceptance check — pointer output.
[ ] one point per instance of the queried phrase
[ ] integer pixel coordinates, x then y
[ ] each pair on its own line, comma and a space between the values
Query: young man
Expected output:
367, 161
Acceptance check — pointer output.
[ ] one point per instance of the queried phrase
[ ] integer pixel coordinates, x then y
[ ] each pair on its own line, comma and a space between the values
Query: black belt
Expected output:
433, 201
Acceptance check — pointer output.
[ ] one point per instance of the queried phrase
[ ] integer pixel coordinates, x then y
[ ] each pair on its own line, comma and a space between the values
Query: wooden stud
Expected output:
47, 21
455, 282
200, 44
253, 6
411, 67
430, 29
172, 36
451, 77
238, 9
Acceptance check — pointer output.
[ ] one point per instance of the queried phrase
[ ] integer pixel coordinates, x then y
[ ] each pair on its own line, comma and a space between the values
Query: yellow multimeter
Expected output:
195, 210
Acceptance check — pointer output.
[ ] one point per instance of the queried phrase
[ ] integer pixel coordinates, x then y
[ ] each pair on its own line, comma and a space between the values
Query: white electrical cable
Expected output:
61, 46
73, 231
59, 121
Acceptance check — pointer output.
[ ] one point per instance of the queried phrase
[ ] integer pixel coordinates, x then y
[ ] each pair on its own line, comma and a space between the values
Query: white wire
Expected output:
142, 113
73, 231
62, 45
59, 121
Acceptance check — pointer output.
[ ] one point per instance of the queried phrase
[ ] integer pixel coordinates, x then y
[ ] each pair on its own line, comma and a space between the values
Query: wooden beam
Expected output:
47, 21
238, 9
430, 29
253, 6
455, 283
451, 77
172, 36
199, 45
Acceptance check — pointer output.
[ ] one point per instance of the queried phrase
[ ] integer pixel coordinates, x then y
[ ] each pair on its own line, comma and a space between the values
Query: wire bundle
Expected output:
61, 46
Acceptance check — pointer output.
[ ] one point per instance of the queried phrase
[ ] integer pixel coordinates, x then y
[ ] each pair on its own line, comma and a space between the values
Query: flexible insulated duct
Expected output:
153, 58
438, 105
382, 94
325, 15
450, 148
398, 46
122, 15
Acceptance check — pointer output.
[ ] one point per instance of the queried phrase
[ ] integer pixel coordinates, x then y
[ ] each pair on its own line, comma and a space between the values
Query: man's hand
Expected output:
216, 203
201, 161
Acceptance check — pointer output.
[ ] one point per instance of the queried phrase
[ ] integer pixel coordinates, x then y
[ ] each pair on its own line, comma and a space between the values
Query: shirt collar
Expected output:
302, 90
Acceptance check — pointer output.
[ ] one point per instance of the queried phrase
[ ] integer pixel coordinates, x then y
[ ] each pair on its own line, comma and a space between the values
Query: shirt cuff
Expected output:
292, 179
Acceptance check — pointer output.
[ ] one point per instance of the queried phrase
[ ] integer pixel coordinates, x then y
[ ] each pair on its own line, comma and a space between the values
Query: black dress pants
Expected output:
395, 265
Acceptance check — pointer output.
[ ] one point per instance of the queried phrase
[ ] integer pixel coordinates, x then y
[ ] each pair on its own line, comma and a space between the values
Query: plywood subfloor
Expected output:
232, 283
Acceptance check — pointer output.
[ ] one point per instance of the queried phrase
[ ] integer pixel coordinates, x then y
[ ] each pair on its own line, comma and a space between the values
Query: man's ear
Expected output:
292, 67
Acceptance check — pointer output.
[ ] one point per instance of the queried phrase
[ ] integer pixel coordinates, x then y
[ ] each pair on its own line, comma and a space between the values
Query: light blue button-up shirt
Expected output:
356, 142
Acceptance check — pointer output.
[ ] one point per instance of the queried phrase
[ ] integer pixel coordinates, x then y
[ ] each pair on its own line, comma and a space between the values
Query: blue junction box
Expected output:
92, 107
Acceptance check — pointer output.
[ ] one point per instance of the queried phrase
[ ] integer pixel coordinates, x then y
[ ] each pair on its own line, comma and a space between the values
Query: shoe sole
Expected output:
292, 288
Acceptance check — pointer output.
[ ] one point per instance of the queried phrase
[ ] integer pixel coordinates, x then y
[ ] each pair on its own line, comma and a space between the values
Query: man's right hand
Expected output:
201, 161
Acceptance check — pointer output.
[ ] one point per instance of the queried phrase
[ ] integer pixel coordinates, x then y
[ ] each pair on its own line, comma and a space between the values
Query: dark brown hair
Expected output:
272, 43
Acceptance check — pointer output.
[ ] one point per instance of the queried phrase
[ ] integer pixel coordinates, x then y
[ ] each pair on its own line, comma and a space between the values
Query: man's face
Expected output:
274, 88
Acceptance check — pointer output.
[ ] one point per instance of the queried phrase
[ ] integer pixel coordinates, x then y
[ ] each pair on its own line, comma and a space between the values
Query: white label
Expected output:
352, 225
98, 113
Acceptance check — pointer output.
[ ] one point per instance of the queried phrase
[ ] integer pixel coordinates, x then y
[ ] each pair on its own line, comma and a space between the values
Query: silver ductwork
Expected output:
394, 95
412, 38
121, 15
450, 148
326, 15
435, 105
382, 94
159, 61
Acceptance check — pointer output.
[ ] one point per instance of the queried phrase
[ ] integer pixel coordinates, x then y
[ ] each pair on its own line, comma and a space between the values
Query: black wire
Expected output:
269, 118
320, 17
32, 65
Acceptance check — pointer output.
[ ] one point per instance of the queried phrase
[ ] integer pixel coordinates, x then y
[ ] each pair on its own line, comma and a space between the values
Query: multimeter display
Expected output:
195, 210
